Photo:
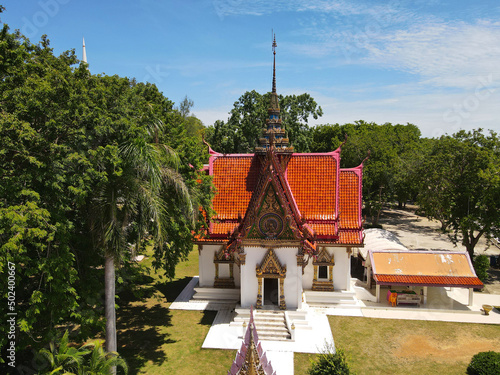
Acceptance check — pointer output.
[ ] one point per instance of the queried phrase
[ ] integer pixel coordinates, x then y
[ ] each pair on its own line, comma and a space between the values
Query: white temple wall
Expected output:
292, 283
341, 270
236, 274
206, 265
307, 277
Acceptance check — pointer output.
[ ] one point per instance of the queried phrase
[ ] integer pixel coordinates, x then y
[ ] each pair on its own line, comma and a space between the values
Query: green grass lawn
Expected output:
156, 340
385, 346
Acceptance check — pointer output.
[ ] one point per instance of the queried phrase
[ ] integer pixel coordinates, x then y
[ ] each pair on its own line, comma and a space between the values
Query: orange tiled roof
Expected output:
313, 181
321, 229
314, 184
451, 281
351, 237
235, 178
223, 228
350, 199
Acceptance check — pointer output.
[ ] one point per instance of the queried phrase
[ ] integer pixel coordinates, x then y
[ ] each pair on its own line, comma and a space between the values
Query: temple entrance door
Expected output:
271, 292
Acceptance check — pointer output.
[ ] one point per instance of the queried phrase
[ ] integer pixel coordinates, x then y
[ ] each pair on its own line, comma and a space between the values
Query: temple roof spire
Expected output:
274, 64
273, 136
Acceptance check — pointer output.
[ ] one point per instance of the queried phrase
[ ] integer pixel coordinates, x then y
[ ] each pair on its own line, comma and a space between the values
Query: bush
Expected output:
331, 362
484, 363
481, 265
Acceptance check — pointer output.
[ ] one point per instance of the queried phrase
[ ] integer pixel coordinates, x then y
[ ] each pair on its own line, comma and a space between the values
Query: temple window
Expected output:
224, 277
322, 272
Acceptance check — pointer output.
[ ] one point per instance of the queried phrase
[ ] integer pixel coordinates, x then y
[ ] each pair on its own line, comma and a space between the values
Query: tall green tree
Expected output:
85, 162
463, 172
133, 193
390, 173
241, 132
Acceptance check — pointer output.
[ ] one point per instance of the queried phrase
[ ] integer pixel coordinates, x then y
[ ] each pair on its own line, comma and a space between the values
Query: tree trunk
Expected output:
470, 250
109, 305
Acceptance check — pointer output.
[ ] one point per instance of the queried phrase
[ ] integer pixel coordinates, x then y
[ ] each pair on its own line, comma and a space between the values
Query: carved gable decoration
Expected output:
271, 219
324, 258
271, 266
271, 197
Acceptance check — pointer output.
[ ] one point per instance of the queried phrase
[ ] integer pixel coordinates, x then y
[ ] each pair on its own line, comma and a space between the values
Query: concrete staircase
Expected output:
342, 299
216, 295
271, 325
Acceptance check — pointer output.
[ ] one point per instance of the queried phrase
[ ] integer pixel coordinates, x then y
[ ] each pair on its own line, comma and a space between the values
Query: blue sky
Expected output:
435, 64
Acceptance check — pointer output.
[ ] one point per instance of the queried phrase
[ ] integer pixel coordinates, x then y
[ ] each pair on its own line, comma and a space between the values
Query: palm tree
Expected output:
134, 194
99, 362
60, 358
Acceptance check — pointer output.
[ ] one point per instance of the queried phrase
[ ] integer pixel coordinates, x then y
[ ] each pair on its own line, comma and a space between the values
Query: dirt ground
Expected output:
462, 348
417, 232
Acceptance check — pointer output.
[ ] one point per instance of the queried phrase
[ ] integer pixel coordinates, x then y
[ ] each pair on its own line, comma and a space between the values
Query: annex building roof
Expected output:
423, 268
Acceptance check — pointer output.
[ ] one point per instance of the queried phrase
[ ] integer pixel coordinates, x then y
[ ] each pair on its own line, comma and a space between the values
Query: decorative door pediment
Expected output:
271, 266
324, 258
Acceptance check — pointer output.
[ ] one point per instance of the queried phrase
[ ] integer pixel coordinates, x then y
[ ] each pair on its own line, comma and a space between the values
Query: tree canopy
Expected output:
241, 132
70, 138
460, 185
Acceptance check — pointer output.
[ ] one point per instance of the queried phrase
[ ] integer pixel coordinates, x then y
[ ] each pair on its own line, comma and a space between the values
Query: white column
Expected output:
377, 294
471, 296
348, 288
425, 295
299, 287
369, 276
201, 276
243, 284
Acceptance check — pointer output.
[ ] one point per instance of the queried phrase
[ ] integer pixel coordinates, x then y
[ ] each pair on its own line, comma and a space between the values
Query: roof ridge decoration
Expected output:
210, 151
251, 358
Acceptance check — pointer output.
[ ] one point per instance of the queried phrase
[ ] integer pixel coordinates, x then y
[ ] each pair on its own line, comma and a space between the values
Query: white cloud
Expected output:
444, 54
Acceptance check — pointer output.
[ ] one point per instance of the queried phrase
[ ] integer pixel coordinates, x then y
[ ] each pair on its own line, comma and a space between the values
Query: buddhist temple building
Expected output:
285, 222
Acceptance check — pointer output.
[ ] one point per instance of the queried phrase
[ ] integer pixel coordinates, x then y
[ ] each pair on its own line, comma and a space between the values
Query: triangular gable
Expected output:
272, 213
324, 258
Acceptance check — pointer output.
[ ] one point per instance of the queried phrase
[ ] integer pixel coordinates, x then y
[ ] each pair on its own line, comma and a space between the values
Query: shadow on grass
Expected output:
139, 327
138, 344
171, 289
208, 318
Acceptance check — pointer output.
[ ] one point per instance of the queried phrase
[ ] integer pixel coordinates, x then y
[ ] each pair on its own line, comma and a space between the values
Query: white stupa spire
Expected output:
84, 58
